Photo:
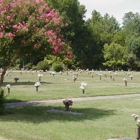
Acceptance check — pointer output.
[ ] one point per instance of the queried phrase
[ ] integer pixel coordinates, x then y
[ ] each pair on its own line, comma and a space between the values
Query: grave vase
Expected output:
138, 133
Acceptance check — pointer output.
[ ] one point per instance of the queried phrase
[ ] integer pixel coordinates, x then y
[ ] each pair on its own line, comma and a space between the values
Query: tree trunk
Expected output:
2, 76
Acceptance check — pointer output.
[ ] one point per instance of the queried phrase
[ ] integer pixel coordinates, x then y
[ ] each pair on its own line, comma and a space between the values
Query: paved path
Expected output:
31, 103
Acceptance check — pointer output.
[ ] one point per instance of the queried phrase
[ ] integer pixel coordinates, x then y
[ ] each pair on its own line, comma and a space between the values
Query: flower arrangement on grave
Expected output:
67, 103
16, 79
137, 120
83, 85
8, 86
125, 81
37, 84
131, 76
53, 73
60, 72
74, 78
39, 76
116, 73
100, 75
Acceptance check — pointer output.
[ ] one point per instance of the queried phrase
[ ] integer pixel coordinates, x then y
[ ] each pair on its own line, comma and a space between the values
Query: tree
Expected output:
115, 55
131, 25
29, 28
76, 33
103, 29
133, 45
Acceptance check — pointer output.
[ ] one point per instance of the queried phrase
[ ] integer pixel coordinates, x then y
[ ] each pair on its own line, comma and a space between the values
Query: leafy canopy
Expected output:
29, 28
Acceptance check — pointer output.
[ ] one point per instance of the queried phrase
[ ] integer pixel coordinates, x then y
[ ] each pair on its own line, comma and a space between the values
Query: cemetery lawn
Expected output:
63, 86
101, 119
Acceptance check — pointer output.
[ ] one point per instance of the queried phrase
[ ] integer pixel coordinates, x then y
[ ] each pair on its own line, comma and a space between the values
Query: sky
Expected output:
115, 8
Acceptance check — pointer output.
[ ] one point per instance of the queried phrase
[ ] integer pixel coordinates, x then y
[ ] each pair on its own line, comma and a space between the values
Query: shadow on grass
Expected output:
12, 100
24, 83
39, 114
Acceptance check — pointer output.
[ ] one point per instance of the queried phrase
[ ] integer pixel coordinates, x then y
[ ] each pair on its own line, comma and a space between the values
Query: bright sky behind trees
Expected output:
115, 8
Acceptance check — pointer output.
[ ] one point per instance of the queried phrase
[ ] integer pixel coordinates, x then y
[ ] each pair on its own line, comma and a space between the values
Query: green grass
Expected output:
63, 86
102, 119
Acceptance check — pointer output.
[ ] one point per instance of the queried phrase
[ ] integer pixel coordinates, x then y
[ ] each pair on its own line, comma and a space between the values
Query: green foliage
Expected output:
76, 32
57, 66
29, 66
42, 65
2, 102
131, 25
120, 37
115, 55
35, 31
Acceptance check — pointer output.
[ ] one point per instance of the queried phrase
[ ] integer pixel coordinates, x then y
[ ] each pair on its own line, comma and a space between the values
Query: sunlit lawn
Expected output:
101, 119
63, 86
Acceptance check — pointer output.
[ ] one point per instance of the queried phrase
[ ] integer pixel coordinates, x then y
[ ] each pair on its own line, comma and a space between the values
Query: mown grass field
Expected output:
101, 119
63, 86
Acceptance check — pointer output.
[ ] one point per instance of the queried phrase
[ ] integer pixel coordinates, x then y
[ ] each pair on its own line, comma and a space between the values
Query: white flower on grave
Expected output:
83, 85
131, 76
8, 86
138, 123
135, 117
110, 72
37, 84
124, 79
116, 73
40, 75
53, 73
100, 74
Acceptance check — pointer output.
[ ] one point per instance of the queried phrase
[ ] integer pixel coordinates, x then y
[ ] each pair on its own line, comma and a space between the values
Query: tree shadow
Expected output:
39, 114
24, 83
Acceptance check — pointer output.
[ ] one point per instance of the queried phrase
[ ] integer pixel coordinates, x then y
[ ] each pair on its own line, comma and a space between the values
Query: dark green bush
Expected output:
2, 102
57, 67
28, 66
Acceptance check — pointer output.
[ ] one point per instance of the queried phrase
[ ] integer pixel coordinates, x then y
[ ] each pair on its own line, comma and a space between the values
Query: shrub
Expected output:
57, 67
42, 65
2, 102
29, 66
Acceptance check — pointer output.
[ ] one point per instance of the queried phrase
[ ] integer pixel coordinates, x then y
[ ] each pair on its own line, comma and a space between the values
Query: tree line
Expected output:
98, 42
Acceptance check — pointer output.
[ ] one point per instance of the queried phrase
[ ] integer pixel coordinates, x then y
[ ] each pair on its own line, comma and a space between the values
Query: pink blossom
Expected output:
66, 24
8, 17
69, 56
37, 1
67, 52
47, 9
49, 32
55, 49
35, 46
22, 41
14, 26
10, 35
59, 40
1, 35
50, 40
51, 15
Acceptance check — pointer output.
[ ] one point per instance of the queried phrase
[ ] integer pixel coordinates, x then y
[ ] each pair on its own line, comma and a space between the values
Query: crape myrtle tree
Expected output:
29, 28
